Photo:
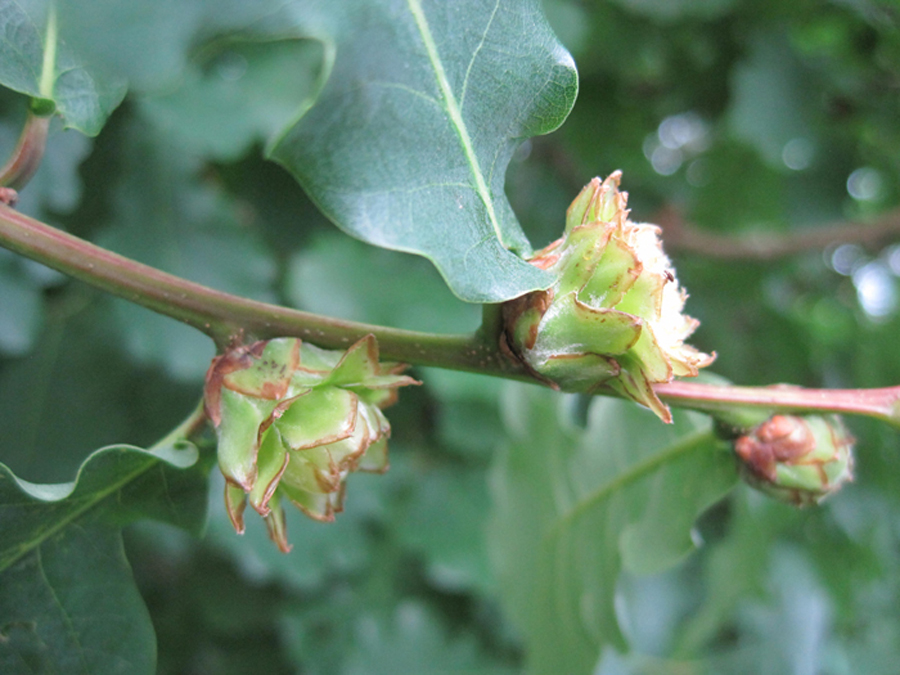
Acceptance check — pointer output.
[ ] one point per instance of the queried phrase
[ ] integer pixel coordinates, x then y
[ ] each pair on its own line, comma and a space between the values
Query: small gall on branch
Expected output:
293, 421
798, 460
613, 319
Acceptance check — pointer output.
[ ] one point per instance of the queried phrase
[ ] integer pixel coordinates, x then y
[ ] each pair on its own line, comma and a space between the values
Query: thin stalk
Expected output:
883, 403
48, 67
230, 319
70, 511
192, 425
491, 323
26, 158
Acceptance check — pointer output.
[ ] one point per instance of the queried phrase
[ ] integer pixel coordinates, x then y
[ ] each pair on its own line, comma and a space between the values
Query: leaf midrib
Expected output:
67, 619
48, 66
632, 475
455, 113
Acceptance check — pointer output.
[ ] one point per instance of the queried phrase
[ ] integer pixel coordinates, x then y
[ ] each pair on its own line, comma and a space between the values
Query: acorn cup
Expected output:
293, 421
613, 318
798, 460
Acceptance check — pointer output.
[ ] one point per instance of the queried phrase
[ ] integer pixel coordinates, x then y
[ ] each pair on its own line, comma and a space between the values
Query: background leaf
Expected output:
236, 92
413, 641
669, 92
22, 306
71, 606
336, 275
69, 603
573, 505
165, 215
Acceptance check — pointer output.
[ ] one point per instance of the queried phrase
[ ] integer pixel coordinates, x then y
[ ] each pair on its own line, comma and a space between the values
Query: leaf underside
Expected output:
574, 507
408, 143
69, 603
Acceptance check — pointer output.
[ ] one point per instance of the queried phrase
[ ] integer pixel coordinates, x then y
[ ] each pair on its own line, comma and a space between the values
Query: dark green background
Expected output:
403, 582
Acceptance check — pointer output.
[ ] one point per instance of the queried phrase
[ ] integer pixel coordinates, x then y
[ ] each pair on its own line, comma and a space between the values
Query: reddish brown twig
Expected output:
26, 158
882, 403
681, 235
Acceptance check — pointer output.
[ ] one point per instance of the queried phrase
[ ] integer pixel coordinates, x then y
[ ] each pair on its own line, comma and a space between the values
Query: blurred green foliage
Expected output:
750, 117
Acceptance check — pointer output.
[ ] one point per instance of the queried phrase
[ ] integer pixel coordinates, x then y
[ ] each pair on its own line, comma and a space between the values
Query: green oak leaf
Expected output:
407, 144
20, 321
403, 140
455, 554
235, 92
35, 61
69, 603
414, 640
342, 277
575, 506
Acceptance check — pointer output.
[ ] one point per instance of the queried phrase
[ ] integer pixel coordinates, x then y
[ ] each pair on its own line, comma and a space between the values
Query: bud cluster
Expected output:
799, 460
292, 422
613, 317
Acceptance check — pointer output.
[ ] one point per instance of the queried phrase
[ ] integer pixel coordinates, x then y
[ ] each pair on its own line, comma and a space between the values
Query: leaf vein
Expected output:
67, 620
635, 473
487, 29
453, 110
16, 49
407, 89
74, 514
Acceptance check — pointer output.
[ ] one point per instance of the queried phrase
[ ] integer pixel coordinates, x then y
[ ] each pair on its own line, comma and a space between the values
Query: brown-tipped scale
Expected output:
613, 318
799, 460
293, 421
